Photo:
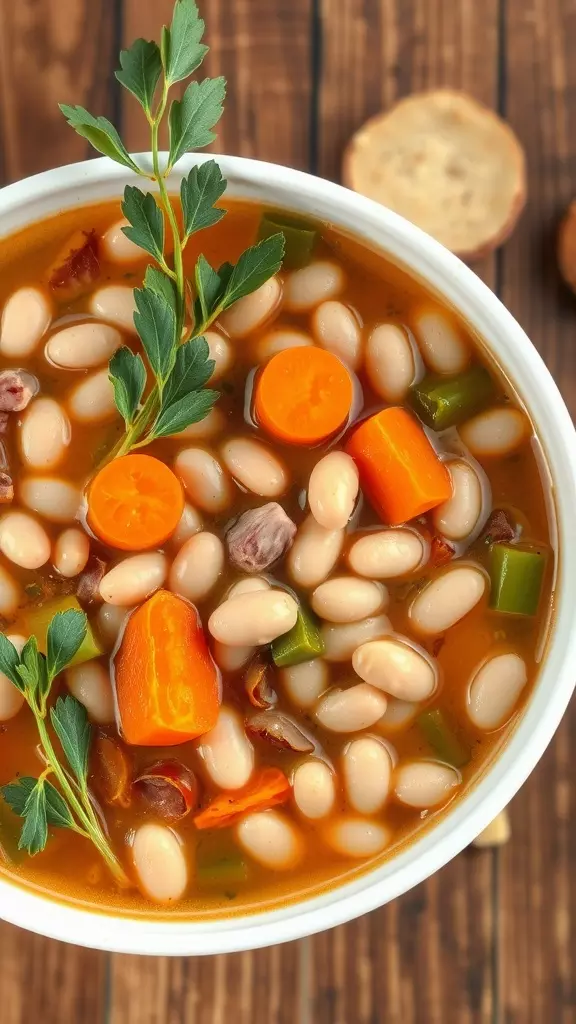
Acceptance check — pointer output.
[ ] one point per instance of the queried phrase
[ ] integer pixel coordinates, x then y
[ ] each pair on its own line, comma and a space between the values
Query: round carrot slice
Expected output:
303, 395
135, 502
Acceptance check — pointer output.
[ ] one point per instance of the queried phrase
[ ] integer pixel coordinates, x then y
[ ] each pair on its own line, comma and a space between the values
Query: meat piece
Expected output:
76, 267
260, 537
279, 730
4, 417
88, 589
168, 789
6, 489
441, 551
15, 393
499, 528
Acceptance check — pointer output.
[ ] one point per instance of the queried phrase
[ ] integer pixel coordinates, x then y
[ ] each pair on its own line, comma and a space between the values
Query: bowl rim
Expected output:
42, 195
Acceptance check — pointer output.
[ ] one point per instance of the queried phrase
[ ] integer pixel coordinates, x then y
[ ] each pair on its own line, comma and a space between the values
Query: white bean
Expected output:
314, 788
425, 783
442, 347
23, 540
350, 710
189, 524
314, 553
160, 863
134, 579
231, 659
118, 248
337, 330
10, 594
341, 641
115, 303
357, 837
45, 434
332, 490
204, 479
248, 585
304, 683
110, 621
277, 341
386, 554
271, 839
255, 467
25, 318
347, 599
397, 668
399, 715
253, 310
52, 498
308, 287
257, 619
197, 567
83, 346
495, 433
221, 352
367, 770
92, 401
71, 552
212, 425
390, 365
447, 599
457, 517
226, 751
495, 689
90, 684
11, 700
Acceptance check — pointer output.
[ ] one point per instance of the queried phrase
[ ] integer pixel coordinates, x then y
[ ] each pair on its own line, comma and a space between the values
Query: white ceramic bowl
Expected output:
80, 184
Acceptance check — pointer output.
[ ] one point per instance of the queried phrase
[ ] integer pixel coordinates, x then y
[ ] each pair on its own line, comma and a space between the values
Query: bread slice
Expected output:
567, 246
445, 162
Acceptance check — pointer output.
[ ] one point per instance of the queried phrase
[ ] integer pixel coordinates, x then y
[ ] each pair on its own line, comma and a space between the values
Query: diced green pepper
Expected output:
443, 402
442, 739
38, 619
301, 643
300, 237
516, 579
219, 863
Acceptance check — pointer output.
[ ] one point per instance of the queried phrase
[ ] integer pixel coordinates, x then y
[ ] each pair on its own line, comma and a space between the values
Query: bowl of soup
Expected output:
372, 566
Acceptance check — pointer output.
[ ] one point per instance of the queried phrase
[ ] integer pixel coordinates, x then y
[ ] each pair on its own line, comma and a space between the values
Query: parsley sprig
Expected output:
59, 797
173, 312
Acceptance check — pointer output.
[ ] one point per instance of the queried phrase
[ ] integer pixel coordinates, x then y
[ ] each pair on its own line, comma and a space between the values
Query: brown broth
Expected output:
70, 868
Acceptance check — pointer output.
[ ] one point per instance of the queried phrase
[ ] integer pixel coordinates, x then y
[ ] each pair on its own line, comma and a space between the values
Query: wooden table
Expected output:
491, 938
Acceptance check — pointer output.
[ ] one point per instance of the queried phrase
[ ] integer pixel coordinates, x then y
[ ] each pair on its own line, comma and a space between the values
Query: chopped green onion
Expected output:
219, 863
38, 619
300, 237
301, 643
443, 402
516, 579
442, 739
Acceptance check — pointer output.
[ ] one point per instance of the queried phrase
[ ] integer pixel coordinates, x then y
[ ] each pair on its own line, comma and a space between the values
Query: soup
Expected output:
312, 616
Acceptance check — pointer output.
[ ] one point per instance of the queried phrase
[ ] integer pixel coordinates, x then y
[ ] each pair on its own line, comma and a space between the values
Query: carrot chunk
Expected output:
135, 502
400, 472
303, 395
268, 788
167, 686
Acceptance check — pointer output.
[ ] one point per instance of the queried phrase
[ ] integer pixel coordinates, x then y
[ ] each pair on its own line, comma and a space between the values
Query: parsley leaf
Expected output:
192, 118
16, 793
100, 133
160, 283
141, 67
199, 192
64, 638
255, 266
155, 322
146, 228
186, 410
182, 51
32, 670
9, 662
192, 370
70, 721
128, 376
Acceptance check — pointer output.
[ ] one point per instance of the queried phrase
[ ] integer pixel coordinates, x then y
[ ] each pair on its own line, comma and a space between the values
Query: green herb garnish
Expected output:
64, 802
173, 312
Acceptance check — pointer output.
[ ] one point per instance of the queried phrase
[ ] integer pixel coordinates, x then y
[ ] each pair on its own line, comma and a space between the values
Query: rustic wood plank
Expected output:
538, 886
49, 981
443, 933
51, 53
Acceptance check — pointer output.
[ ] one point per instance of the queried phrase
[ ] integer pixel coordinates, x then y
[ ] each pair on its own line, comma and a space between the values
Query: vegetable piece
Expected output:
169, 789
260, 537
500, 527
219, 863
111, 771
300, 238
76, 267
303, 395
399, 470
37, 620
301, 643
280, 730
9, 851
266, 789
441, 552
443, 402
135, 503
167, 685
516, 579
257, 685
442, 739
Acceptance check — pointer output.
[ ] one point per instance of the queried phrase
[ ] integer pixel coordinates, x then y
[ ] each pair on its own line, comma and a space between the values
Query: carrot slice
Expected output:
399, 470
135, 502
268, 788
303, 395
167, 686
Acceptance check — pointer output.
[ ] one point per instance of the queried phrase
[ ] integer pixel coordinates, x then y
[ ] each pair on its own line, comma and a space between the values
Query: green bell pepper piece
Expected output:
38, 619
516, 576
301, 643
443, 402
219, 863
442, 739
300, 237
